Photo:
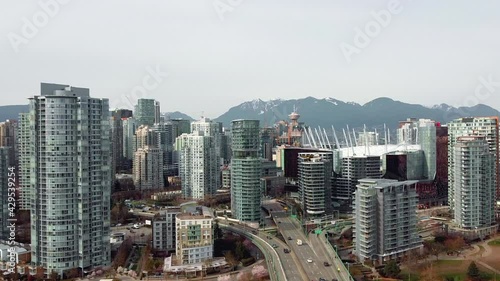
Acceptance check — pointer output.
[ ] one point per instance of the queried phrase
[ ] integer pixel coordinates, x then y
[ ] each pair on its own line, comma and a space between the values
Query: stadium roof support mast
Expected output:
350, 141
385, 137
323, 137
376, 137
335, 136
327, 139
406, 139
308, 139
323, 140
416, 134
312, 137
319, 138
355, 138
367, 144
346, 140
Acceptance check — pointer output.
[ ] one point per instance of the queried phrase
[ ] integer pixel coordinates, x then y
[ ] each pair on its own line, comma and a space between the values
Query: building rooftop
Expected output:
383, 183
195, 212
376, 150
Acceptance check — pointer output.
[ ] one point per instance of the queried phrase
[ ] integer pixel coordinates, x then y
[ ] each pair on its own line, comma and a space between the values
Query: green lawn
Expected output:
456, 269
494, 243
441, 263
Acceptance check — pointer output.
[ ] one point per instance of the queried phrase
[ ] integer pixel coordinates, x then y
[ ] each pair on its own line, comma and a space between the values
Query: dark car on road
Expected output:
326, 263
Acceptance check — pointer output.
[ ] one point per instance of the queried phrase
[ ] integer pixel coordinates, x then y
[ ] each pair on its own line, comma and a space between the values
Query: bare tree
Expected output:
122, 254
434, 248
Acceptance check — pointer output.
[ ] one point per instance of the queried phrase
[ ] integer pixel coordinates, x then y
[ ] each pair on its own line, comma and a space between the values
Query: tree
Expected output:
39, 273
473, 271
259, 272
119, 213
122, 253
73, 273
428, 274
249, 246
454, 244
14, 276
224, 278
231, 259
145, 257
411, 259
244, 276
150, 265
240, 250
434, 248
54, 276
392, 269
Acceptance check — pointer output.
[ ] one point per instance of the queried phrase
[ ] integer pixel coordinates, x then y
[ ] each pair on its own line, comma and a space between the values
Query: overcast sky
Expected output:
221, 53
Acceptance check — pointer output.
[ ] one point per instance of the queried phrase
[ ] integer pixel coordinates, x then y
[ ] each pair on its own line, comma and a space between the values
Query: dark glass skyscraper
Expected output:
246, 190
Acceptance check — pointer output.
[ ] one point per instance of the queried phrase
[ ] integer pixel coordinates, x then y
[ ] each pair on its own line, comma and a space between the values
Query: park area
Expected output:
485, 255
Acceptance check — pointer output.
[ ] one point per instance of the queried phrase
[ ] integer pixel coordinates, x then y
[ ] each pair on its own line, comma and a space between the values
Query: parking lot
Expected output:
141, 235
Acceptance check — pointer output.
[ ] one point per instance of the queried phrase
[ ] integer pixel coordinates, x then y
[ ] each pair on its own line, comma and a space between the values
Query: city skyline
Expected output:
232, 56
249, 140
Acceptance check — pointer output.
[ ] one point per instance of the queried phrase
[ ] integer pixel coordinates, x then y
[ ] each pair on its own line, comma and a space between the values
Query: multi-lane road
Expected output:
291, 264
320, 244
306, 252
274, 264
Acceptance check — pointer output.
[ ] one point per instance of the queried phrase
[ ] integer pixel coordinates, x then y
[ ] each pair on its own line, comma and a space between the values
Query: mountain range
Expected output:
329, 111
325, 112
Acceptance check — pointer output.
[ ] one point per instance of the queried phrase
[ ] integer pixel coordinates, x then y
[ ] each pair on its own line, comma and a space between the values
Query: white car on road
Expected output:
309, 260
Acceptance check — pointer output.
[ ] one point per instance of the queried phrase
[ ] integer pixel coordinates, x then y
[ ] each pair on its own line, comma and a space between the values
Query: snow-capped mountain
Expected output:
330, 111
325, 112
